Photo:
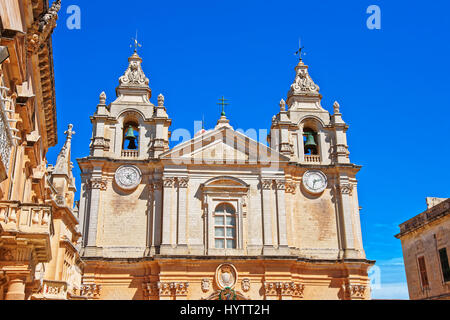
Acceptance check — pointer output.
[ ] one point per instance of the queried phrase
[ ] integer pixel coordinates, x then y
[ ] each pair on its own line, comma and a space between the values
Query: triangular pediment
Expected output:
223, 145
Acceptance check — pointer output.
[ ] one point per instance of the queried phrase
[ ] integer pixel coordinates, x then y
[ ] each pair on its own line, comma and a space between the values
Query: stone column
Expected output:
182, 210
16, 289
266, 189
323, 147
281, 209
301, 145
345, 190
96, 185
157, 213
167, 238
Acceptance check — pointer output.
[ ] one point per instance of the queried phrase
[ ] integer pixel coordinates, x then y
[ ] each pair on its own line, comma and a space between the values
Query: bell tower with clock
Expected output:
316, 141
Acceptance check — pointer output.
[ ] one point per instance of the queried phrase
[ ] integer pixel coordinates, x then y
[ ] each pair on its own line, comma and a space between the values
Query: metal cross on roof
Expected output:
223, 104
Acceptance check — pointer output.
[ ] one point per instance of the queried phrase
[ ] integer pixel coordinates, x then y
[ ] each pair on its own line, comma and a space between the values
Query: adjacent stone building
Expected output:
221, 216
38, 226
426, 246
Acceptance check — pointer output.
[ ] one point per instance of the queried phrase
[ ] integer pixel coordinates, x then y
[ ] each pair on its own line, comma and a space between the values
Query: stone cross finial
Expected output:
160, 100
103, 97
336, 107
69, 132
282, 105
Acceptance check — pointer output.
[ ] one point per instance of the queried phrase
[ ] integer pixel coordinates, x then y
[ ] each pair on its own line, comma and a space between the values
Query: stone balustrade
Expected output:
312, 159
130, 154
34, 223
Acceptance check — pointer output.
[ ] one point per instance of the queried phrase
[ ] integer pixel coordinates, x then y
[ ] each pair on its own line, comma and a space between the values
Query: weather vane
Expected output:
223, 104
300, 49
136, 44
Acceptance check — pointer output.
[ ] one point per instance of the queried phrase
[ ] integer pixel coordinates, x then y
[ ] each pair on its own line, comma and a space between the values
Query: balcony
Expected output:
28, 222
312, 159
130, 154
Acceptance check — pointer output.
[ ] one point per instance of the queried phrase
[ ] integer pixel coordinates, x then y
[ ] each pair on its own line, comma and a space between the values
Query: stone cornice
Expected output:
437, 212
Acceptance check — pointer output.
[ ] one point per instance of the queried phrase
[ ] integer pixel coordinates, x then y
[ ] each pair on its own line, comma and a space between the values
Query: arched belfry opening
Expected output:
310, 142
130, 136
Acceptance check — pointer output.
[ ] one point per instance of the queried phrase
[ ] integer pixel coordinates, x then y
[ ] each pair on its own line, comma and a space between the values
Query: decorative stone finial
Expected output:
282, 105
161, 100
134, 76
102, 98
69, 133
303, 84
336, 107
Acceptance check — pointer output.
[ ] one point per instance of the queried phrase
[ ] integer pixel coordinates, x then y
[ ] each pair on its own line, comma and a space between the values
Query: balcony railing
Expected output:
312, 159
33, 222
130, 154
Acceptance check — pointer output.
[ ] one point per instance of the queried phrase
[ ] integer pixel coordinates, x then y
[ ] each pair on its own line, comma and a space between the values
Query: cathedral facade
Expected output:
221, 216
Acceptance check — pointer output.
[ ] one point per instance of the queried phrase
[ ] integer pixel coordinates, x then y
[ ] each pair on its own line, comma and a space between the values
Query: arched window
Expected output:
225, 226
130, 136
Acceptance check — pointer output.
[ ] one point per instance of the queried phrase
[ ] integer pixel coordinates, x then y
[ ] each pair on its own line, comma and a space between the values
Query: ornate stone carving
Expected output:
164, 288
291, 187
303, 84
266, 184
41, 29
6, 254
183, 182
280, 184
168, 182
298, 290
90, 290
134, 75
150, 289
173, 288
355, 291
98, 183
205, 285
283, 289
271, 288
245, 284
101, 143
345, 189
226, 276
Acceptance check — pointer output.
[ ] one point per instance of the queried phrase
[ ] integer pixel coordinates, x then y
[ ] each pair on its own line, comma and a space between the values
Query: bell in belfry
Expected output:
132, 138
310, 144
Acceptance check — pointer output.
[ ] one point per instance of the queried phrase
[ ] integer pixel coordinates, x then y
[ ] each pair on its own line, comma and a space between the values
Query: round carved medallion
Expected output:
128, 177
226, 276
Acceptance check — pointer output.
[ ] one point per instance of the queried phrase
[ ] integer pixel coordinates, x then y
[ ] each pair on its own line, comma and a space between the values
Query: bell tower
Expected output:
127, 135
131, 127
303, 130
316, 141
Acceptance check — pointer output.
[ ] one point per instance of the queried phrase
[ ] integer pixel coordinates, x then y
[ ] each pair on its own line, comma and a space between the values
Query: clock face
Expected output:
315, 181
128, 177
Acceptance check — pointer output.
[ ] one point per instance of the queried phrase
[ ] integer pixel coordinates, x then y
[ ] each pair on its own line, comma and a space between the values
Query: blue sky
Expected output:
392, 85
